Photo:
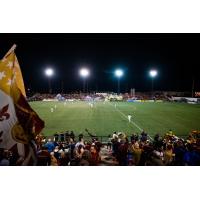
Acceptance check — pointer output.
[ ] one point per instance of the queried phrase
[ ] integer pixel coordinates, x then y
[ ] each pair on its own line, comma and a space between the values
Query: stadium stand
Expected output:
120, 150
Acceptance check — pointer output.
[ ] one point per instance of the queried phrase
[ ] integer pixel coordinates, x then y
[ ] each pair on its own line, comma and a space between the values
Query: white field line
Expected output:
130, 121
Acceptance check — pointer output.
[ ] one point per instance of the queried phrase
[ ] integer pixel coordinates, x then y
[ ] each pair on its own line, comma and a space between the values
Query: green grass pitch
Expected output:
104, 119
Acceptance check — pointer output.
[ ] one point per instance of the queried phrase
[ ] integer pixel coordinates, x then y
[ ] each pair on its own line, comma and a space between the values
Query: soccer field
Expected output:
104, 119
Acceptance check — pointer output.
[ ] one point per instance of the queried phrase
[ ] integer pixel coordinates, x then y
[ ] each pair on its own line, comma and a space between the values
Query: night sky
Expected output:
175, 56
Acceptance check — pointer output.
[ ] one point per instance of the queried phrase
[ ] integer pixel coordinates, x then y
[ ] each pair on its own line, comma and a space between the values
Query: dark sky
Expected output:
175, 56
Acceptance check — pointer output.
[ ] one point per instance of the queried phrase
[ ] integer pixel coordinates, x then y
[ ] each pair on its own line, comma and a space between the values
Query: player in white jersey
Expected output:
129, 118
51, 109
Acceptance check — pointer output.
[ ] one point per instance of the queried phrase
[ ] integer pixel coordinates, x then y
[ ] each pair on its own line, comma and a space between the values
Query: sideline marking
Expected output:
131, 121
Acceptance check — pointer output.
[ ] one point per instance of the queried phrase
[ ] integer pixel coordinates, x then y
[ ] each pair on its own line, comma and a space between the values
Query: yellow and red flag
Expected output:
19, 123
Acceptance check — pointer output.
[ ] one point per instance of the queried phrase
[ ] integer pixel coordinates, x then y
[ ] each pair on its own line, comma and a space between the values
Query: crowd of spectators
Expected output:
83, 96
72, 96
135, 150
70, 152
168, 150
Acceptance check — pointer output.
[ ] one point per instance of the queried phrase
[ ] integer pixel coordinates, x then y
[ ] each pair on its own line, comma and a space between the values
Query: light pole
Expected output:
118, 73
193, 87
84, 73
49, 73
153, 73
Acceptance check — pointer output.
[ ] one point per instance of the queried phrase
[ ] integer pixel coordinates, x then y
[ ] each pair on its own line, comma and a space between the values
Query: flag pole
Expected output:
11, 50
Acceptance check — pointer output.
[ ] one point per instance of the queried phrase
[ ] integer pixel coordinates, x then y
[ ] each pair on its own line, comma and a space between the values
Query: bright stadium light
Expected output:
153, 73
84, 73
49, 72
118, 73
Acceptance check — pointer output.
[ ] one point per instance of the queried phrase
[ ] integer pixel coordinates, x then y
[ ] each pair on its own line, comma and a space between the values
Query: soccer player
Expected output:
51, 109
55, 106
129, 118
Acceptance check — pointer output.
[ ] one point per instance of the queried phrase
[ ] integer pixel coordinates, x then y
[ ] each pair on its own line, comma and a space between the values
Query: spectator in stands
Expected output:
168, 154
80, 142
67, 136
134, 138
95, 158
50, 146
56, 137
147, 150
159, 152
137, 152
86, 158
72, 135
143, 136
54, 161
191, 156
44, 158
122, 152
56, 152
87, 145
153, 160
78, 152
71, 148
179, 150
64, 159
115, 144
4, 155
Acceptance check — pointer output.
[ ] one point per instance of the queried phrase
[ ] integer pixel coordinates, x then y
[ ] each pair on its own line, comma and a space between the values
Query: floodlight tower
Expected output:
153, 73
49, 72
118, 73
84, 73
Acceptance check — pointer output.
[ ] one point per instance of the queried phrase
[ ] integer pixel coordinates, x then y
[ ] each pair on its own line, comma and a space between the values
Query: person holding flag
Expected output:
19, 123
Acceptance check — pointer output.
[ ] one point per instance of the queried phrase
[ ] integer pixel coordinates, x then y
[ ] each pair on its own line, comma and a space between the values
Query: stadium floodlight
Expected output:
84, 73
153, 73
49, 72
118, 73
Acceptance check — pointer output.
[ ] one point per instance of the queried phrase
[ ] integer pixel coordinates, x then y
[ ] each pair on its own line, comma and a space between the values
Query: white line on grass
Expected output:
126, 118
130, 121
